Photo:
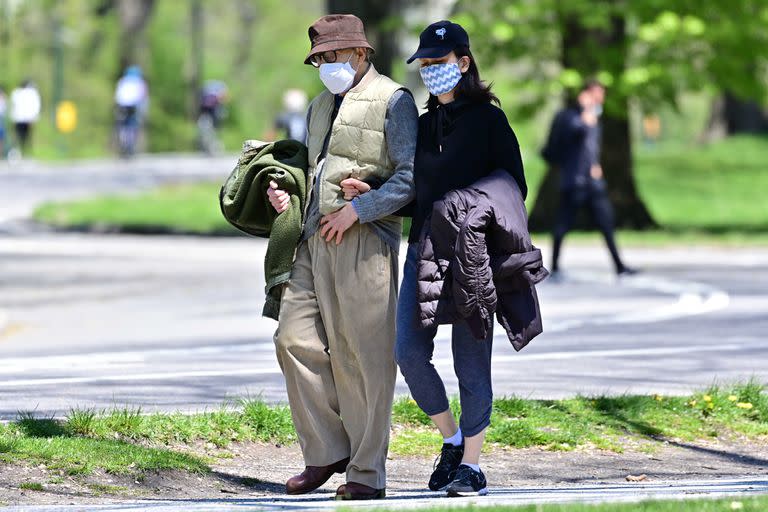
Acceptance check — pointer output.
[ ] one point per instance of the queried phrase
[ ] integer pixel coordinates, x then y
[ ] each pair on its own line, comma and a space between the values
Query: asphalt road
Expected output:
174, 323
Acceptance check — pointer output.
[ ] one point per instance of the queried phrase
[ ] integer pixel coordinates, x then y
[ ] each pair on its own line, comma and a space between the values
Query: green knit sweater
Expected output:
244, 203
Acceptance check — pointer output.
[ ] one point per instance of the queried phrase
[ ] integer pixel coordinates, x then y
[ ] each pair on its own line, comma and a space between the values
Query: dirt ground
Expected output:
260, 470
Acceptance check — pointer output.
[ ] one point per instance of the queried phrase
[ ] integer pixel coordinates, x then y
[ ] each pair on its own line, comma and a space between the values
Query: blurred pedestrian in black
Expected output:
574, 146
214, 96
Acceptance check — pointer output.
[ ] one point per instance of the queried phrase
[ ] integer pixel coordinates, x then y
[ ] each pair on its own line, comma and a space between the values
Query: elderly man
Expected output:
335, 339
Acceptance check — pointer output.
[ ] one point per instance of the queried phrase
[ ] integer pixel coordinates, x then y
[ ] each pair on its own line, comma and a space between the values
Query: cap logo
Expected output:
441, 32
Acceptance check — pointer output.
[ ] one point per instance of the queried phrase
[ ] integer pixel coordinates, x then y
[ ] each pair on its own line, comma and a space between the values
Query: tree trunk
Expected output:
731, 115
246, 14
616, 159
617, 163
196, 45
744, 116
133, 16
374, 15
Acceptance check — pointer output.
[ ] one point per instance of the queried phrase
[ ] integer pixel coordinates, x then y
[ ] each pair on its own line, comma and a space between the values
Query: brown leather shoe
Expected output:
356, 491
313, 477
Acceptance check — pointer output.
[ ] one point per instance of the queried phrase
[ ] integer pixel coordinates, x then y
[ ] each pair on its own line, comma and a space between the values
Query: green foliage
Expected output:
272, 61
693, 191
669, 47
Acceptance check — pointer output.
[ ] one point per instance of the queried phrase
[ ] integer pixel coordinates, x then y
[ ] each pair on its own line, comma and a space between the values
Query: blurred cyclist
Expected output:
131, 102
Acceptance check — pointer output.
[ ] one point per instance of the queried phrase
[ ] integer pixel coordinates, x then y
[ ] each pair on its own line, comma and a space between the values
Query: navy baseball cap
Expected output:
439, 39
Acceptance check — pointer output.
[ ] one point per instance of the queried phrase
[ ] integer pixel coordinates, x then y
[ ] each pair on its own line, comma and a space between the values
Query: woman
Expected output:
462, 138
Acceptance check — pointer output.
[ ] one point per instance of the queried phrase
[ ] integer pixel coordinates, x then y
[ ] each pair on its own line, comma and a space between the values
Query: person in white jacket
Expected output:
25, 111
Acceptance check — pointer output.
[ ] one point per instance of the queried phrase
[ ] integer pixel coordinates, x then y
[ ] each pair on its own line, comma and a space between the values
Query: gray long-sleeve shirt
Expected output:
400, 130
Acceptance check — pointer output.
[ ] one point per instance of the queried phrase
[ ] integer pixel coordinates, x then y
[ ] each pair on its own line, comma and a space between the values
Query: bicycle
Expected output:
127, 131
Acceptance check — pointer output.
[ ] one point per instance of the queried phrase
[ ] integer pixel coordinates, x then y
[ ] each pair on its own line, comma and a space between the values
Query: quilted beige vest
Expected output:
357, 147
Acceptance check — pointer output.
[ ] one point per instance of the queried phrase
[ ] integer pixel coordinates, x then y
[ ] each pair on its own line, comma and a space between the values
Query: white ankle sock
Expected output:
456, 439
476, 467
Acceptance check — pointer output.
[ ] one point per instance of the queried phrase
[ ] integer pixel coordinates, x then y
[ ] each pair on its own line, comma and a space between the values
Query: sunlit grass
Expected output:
124, 440
699, 195
751, 504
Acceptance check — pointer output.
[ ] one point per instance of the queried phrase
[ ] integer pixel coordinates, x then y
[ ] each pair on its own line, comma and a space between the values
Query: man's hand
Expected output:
596, 171
353, 187
589, 117
280, 199
336, 223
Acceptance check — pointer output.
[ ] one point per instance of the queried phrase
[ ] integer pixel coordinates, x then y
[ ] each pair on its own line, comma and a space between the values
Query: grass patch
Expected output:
31, 486
699, 194
715, 188
124, 441
80, 455
755, 504
100, 489
182, 208
603, 422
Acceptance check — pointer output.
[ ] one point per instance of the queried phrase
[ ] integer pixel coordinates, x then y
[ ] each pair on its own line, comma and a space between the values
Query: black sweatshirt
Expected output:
458, 144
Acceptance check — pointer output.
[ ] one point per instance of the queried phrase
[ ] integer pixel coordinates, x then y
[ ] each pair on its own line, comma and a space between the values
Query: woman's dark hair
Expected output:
470, 87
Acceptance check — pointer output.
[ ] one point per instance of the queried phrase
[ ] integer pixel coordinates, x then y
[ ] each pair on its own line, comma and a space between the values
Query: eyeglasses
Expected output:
328, 57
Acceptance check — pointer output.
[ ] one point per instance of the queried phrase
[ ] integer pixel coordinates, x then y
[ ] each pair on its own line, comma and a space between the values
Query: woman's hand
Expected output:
353, 187
280, 199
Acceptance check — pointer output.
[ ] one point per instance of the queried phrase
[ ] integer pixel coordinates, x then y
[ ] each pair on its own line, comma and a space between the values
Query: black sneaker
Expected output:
445, 466
467, 482
627, 271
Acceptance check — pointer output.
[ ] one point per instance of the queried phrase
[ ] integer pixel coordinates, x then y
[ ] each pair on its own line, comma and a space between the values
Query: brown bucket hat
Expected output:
337, 32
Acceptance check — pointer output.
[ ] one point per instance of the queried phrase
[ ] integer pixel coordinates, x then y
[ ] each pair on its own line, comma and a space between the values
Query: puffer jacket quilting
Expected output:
476, 260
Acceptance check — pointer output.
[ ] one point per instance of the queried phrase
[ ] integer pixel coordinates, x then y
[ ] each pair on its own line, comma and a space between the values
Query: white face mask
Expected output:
338, 77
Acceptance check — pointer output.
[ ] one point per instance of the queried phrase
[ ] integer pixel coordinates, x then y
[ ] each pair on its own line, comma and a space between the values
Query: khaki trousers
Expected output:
335, 346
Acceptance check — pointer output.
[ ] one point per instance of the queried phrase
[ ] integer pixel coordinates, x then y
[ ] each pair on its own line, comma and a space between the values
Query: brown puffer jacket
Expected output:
476, 259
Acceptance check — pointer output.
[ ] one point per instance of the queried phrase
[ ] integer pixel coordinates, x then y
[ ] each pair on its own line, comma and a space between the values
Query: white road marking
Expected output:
131, 246
639, 352
59, 362
136, 377
692, 299
89, 359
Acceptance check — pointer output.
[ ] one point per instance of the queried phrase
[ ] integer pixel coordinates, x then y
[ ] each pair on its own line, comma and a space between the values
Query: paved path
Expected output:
27, 184
403, 500
174, 323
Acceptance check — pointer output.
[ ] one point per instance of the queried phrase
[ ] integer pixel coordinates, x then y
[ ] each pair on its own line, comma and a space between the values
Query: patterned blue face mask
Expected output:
441, 78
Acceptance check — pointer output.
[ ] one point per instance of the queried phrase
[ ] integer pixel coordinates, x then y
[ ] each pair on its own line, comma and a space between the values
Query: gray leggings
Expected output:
471, 359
